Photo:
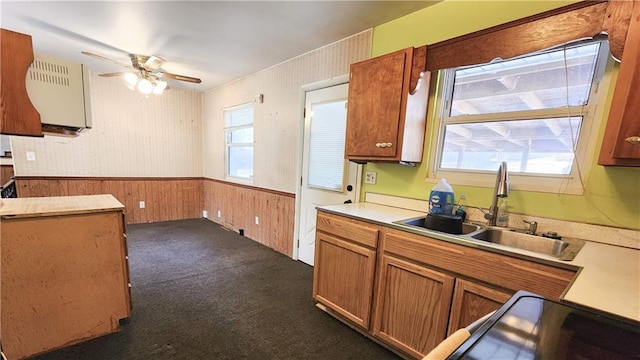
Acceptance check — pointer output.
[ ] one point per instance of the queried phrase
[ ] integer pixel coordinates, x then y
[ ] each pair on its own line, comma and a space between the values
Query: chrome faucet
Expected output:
501, 190
533, 227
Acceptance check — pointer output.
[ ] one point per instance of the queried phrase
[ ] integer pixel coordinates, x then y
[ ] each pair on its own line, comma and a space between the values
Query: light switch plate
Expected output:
31, 156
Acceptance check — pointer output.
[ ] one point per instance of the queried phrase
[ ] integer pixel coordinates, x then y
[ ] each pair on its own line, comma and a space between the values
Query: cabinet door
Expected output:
412, 306
19, 117
374, 107
472, 301
343, 277
621, 143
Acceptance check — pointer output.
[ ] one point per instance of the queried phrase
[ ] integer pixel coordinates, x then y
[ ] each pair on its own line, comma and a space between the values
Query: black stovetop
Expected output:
529, 326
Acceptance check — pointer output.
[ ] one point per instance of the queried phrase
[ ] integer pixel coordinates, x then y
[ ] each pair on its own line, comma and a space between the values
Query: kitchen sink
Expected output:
419, 223
563, 249
539, 244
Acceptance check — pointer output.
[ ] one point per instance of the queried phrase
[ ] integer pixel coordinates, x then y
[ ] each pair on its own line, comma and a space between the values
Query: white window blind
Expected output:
326, 154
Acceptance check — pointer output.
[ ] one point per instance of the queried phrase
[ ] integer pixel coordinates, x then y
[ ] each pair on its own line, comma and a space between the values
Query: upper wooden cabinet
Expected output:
19, 117
621, 143
387, 107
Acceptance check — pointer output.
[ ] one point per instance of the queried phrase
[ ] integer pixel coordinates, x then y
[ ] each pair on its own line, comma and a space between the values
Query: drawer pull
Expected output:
384, 145
633, 140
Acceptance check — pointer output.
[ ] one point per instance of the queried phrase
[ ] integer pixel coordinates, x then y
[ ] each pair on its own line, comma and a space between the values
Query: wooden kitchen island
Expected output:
64, 271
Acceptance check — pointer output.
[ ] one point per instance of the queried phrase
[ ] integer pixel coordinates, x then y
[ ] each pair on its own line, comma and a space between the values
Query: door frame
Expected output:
337, 80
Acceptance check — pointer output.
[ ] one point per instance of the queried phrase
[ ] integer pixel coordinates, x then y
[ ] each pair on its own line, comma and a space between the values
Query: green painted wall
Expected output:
612, 194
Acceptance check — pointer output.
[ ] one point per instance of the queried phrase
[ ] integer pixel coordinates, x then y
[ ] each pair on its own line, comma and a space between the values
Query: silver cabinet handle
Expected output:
383, 145
633, 140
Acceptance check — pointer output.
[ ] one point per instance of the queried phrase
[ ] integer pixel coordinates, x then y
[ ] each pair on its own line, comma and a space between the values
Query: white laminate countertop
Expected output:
609, 276
57, 205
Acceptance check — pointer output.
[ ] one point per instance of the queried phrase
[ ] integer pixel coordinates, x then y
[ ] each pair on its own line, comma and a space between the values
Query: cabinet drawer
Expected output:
501, 270
352, 230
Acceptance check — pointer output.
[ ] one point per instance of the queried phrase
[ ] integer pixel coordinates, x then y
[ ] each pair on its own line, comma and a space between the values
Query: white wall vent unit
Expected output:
59, 90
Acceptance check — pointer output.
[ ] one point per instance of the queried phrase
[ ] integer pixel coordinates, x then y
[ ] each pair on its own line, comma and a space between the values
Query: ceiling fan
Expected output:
146, 74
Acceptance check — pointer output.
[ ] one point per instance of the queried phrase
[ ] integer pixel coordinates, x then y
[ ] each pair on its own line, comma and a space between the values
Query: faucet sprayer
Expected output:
501, 190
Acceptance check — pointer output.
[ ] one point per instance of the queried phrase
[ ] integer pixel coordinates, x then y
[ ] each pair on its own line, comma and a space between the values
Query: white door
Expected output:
327, 178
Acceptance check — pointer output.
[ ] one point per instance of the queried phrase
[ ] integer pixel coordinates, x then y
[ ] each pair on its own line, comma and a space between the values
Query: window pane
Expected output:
242, 115
540, 146
530, 83
326, 145
240, 136
240, 161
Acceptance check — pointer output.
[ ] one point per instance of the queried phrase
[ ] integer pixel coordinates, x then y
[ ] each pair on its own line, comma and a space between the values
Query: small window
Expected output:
532, 111
238, 129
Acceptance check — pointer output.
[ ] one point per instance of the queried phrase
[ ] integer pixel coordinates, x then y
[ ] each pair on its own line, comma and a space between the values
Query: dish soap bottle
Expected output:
460, 211
503, 214
441, 199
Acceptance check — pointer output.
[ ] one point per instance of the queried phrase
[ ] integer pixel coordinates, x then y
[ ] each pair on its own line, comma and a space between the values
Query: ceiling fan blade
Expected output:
181, 78
107, 59
113, 74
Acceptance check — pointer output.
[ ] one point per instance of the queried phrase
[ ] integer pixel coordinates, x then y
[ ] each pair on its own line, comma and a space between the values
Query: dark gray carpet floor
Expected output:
202, 292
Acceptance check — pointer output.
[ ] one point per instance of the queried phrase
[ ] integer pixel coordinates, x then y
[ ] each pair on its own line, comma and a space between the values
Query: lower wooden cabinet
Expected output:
472, 301
409, 291
343, 278
345, 261
413, 305
65, 279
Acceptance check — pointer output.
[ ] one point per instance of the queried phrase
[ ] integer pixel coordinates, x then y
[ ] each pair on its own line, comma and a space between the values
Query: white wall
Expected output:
132, 136
278, 121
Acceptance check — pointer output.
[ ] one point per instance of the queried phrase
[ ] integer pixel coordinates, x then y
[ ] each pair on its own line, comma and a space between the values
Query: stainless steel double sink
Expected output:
563, 249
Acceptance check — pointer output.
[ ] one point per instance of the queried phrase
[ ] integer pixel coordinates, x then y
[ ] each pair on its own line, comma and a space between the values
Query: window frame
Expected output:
227, 145
572, 183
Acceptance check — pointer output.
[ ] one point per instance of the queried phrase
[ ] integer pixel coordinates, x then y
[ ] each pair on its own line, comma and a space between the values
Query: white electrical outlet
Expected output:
204, 214
257, 221
141, 204
370, 177
31, 155
219, 214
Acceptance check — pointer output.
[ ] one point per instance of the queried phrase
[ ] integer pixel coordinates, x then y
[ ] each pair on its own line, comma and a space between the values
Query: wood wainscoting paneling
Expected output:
239, 205
6, 173
165, 198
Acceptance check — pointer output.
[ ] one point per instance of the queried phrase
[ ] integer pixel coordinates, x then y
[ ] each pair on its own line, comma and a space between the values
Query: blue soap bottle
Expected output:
441, 199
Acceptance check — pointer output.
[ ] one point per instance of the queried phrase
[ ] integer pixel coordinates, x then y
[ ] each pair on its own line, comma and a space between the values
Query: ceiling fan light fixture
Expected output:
130, 81
131, 78
145, 86
159, 87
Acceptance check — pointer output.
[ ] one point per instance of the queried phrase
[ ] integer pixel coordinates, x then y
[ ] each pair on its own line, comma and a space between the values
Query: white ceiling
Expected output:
217, 41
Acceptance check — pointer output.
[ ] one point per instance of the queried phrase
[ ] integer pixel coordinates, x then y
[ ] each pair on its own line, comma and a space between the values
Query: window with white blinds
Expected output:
326, 145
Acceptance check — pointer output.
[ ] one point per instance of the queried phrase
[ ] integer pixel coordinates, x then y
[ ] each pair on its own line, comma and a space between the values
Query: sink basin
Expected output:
564, 249
542, 245
419, 223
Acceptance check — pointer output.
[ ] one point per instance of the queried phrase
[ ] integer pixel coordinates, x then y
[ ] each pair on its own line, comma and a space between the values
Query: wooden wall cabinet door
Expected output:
471, 301
412, 306
387, 107
344, 269
621, 143
19, 117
